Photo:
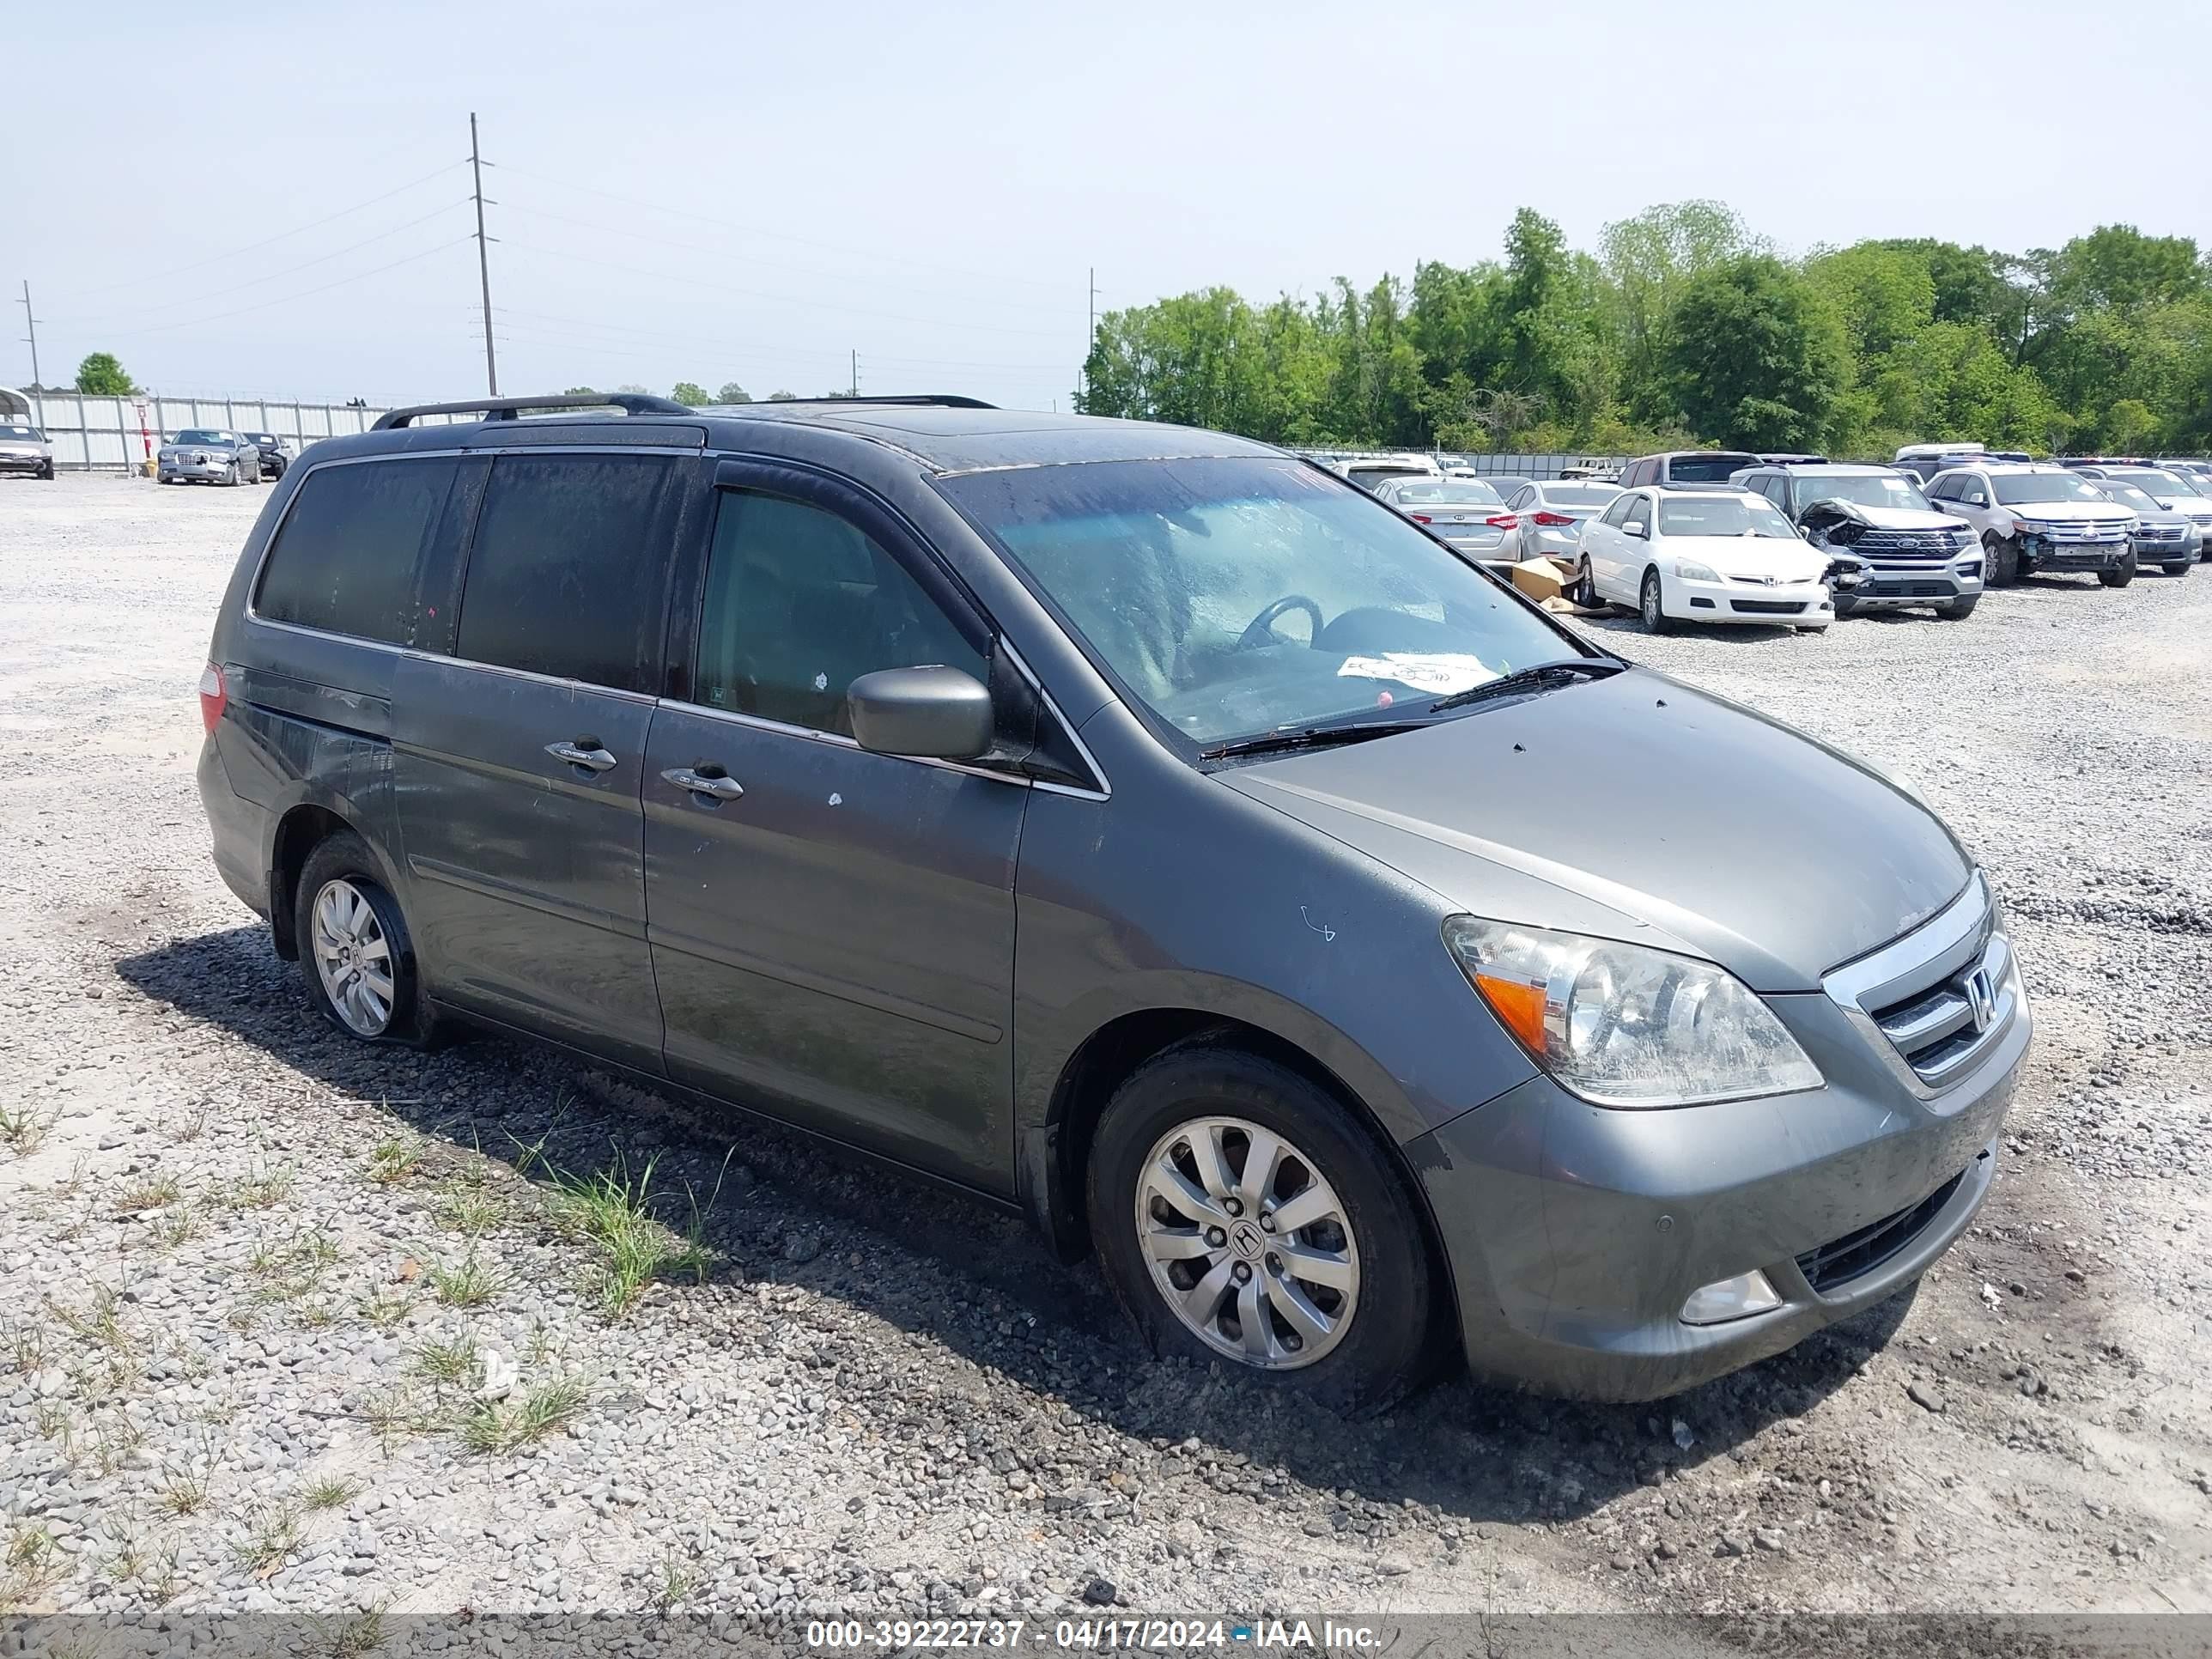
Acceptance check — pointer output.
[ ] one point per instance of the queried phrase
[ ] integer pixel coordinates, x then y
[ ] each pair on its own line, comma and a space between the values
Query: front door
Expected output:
519, 759
832, 930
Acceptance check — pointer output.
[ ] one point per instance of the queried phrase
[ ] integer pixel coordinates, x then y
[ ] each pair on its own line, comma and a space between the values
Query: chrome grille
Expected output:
1935, 1001
1918, 546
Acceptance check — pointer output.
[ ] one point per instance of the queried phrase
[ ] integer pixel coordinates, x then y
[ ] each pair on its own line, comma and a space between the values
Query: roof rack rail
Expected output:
911, 400
510, 409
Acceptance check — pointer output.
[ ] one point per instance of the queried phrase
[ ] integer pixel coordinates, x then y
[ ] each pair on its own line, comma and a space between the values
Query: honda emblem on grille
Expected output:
1982, 998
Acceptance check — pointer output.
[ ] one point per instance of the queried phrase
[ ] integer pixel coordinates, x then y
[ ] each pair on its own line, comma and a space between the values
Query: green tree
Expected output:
783, 397
1754, 357
1648, 259
581, 391
688, 393
731, 392
99, 375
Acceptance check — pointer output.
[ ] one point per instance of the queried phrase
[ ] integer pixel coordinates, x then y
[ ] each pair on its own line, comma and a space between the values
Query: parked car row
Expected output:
24, 449
207, 454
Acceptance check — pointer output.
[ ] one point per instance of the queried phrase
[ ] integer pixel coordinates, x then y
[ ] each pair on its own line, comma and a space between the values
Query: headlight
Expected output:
1622, 1025
1691, 571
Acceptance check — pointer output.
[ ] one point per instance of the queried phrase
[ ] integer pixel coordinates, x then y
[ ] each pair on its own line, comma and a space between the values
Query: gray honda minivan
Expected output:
1135, 825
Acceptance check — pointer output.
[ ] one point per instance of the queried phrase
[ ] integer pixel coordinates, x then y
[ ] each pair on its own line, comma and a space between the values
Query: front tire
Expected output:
46, 472
2181, 569
2001, 560
2122, 575
1652, 604
1958, 609
356, 953
1244, 1216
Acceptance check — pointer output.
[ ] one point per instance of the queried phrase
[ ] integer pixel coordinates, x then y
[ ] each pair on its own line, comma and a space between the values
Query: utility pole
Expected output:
483, 258
856, 371
32, 322
1091, 338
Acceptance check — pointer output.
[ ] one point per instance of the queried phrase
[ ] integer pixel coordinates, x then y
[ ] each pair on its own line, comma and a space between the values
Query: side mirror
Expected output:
928, 714
1635, 527
1975, 498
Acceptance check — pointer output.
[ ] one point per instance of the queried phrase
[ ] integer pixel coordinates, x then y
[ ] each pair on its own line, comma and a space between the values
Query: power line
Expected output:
646, 339
255, 281
715, 252
217, 258
786, 299
287, 298
776, 235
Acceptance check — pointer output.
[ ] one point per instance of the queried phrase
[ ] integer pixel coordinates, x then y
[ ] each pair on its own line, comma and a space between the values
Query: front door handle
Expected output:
585, 752
718, 788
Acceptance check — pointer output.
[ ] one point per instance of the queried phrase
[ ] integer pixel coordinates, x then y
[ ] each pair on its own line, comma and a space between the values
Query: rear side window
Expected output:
344, 559
800, 604
567, 569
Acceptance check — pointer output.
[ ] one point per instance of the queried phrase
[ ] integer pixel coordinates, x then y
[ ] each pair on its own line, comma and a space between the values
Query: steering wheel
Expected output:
1261, 630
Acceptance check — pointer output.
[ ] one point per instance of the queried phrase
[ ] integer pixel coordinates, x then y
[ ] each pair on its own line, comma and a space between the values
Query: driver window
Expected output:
800, 604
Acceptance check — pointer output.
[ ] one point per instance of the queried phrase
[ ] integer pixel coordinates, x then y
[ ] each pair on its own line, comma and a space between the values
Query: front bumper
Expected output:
1575, 1233
25, 463
205, 471
1785, 604
2044, 554
1893, 587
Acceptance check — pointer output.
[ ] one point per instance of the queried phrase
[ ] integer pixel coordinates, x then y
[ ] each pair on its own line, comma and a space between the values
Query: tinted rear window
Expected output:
345, 560
1712, 468
567, 569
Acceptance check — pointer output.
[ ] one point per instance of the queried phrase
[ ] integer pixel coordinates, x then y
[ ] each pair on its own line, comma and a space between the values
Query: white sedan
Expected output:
1722, 554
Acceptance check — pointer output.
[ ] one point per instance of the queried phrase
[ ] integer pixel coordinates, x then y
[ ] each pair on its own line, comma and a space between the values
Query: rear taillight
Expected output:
1554, 520
1503, 521
213, 696
1420, 518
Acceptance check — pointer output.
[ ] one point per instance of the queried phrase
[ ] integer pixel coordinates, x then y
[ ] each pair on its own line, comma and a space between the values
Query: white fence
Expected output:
114, 435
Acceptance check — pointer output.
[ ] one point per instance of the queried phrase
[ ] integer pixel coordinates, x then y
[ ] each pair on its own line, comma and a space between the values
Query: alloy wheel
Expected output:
353, 958
1247, 1243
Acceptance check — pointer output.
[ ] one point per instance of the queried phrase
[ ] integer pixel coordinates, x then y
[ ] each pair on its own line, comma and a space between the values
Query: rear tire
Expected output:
1369, 1318
1958, 609
357, 955
1585, 594
2181, 569
1652, 604
2122, 576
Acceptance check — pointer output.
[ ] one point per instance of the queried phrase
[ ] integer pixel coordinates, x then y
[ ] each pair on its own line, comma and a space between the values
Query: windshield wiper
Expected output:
1530, 678
1312, 737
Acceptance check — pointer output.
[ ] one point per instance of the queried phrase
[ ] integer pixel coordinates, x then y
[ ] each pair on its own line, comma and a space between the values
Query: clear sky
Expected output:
720, 192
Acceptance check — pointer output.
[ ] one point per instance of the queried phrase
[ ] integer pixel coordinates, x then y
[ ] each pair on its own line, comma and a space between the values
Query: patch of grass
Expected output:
111, 1448
489, 1427
179, 1227
353, 1637
100, 1322
394, 1415
182, 1493
452, 1361
394, 1158
23, 1128
194, 1123
27, 1346
470, 1210
468, 1285
264, 1191
272, 1532
384, 1310
314, 1316
30, 1547
56, 1420
154, 1192
613, 1210
32, 1562
293, 1265
330, 1492
678, 1581
541, 1348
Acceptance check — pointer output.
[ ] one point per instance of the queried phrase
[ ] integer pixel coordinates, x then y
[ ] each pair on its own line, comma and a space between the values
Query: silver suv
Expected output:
2031, 518
1903, 550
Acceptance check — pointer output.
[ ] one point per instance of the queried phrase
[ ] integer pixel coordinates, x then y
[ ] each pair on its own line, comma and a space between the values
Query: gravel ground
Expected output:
257, 1278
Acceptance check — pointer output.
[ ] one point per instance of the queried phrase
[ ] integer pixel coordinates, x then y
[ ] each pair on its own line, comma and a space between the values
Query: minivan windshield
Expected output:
1241, 596
1711, 467
1865, 488
2017, 488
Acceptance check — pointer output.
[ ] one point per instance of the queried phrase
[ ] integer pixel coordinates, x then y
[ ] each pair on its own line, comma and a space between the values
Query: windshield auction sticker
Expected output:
1441, 672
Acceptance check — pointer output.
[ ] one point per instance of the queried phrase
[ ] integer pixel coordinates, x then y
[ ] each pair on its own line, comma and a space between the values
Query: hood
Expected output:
1829, 516
1637, 808
1750, 555
2066, 512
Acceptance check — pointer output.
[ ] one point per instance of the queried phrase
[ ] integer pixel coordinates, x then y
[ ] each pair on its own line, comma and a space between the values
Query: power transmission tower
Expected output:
483, 258
32, 322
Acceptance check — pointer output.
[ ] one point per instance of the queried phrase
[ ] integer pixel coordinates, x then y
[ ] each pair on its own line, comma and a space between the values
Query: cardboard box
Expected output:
1540, 579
